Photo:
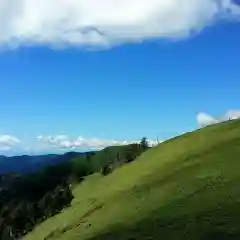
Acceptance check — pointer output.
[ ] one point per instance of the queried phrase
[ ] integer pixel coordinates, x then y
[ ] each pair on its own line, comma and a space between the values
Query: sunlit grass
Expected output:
186, 188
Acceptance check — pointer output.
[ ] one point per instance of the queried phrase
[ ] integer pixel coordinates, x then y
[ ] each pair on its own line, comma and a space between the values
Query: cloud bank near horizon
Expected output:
62, 143
65, 142
94, 23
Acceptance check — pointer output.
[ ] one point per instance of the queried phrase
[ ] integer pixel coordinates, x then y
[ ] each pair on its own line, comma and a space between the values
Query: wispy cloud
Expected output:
106, 23
8, 142
204, 119
65, 142
233, 114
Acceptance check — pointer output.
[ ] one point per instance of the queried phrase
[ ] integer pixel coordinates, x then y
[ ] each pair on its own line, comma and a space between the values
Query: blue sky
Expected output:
149, 88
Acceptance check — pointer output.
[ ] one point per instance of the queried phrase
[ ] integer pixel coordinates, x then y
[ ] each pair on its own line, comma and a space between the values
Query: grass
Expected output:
186, 188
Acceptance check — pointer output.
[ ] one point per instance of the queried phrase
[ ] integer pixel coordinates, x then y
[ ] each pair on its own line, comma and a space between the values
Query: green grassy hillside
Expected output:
186, 188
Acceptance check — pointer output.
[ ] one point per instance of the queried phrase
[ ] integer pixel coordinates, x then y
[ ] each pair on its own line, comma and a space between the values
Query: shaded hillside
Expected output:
186, 188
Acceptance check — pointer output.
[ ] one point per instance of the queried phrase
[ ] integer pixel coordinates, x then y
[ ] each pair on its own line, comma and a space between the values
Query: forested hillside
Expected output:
28, 199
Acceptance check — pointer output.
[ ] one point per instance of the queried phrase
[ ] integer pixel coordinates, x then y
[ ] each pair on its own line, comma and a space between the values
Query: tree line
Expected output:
130, 153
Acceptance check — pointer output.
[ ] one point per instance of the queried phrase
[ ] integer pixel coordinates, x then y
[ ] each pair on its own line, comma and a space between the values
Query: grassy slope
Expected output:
186, 188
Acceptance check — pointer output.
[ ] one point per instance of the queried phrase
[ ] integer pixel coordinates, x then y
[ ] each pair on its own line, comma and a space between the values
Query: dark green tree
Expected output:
144, 143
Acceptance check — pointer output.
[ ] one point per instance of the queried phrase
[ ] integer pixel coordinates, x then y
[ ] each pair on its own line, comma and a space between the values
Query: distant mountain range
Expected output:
29, 164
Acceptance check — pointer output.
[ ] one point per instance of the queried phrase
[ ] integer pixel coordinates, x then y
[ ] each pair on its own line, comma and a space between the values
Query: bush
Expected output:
106, 170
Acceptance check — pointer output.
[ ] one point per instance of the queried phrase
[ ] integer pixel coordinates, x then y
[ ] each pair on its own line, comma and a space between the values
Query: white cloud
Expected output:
65, 142
204, 119
107, 22
7, 142
233, 114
